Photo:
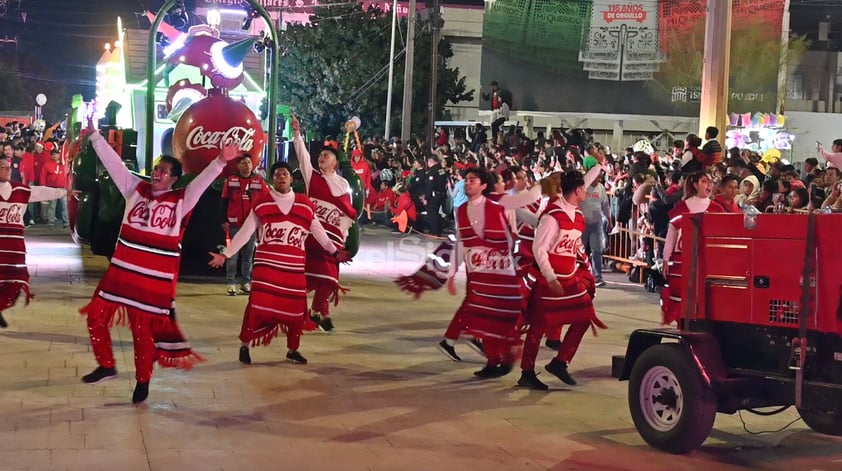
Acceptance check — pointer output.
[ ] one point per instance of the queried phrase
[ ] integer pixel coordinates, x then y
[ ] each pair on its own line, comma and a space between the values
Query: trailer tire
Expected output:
672, 408
828, 423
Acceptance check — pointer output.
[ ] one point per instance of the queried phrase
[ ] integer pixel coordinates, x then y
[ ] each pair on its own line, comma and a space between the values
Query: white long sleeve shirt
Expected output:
284, 202
37, 193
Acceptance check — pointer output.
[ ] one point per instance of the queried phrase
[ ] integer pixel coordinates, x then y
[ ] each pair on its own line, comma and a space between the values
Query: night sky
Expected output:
68, 35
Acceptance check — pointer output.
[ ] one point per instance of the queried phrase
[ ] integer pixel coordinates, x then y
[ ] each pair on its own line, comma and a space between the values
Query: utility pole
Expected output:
433, 7
714, 106
406, 112
391, 69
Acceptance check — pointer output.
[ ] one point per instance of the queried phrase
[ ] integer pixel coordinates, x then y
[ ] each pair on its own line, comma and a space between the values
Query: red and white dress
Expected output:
331, 196
278, 298
560, 256
494, 295
565, 261
671, 295
139, 286
14, 275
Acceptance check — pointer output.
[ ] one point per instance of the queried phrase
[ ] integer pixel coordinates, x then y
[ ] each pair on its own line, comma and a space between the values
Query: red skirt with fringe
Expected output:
11, 290
172, 348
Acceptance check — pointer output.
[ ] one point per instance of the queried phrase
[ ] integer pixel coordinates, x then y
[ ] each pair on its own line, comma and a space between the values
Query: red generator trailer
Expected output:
761, 327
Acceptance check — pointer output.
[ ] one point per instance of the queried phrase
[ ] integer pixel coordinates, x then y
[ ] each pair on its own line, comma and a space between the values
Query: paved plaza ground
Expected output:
376, 395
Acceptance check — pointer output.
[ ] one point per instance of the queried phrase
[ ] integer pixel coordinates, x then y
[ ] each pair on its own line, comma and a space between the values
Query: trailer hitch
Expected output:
798, 355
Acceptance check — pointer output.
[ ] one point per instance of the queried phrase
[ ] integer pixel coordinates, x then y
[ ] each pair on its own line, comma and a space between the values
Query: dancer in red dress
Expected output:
510, 203
139, 286
331, 196
698, 189
14, 275
563, 285
493, 301
278, 299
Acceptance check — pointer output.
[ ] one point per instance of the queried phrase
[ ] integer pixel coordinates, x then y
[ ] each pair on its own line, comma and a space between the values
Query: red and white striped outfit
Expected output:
278, 298
671, 296
331, 196
526, 220
139, 285
560, 255
509, 203
14, 275
493, 301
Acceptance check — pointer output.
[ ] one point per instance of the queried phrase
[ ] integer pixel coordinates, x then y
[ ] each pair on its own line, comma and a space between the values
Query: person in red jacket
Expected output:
404, 203
384, 199
54, 175
238, 192
728, 188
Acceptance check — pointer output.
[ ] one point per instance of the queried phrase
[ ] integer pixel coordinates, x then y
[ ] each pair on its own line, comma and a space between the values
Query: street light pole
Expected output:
434, 71
717, 54
391, 69
406, 112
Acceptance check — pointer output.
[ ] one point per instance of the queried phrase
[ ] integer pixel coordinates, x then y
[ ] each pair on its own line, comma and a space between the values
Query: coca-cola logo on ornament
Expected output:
198, 138
490, 259
11, 213
160, 216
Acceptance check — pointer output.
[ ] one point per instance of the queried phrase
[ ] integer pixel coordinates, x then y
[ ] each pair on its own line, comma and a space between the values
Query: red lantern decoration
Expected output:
208, 124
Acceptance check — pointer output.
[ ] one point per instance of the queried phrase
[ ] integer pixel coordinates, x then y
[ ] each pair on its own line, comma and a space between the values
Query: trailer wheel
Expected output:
828, 423
672, 409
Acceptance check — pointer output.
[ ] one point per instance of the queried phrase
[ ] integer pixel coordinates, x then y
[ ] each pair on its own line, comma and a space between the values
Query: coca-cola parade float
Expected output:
197, 99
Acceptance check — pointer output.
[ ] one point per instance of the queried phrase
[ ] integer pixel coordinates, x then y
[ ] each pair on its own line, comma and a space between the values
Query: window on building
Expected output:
795, 87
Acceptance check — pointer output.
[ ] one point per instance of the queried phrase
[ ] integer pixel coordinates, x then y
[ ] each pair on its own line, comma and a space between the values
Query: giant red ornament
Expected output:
208, 124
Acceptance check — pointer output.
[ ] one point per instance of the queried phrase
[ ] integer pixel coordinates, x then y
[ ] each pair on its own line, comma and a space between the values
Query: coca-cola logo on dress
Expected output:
284, 233
327, 213
567, 244
159, 216
489, 260
11, 213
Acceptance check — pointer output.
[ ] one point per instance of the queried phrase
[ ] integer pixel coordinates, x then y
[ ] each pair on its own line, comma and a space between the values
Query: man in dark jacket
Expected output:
435, 192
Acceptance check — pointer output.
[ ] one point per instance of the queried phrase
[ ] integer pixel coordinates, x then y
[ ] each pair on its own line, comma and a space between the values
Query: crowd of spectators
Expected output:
641, 187
36, 159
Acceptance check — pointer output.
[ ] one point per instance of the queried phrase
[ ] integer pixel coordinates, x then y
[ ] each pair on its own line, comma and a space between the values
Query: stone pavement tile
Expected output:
108, 459
23, 459
25, 437
60, 437
66, 414
206, 459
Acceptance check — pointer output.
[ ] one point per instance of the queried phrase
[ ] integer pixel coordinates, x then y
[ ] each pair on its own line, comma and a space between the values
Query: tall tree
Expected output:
336, 67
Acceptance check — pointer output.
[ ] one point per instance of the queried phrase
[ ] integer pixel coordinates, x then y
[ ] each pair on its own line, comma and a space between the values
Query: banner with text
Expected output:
625, 57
